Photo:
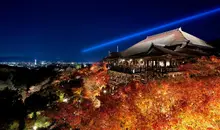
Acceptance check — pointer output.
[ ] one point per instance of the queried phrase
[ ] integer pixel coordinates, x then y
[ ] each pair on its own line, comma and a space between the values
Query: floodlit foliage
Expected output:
40, 121
190, 101
14, 126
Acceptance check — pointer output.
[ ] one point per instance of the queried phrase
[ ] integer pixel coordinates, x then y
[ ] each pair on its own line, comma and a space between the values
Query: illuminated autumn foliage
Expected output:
190, 101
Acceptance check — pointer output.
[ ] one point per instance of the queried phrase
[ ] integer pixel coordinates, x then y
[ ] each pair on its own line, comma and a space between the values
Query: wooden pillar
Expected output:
147, 63
152, 63
165, 67
171, 63
135, 64
165, 64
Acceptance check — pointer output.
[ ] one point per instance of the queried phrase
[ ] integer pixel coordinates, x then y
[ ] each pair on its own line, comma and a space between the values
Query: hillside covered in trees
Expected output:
80, 99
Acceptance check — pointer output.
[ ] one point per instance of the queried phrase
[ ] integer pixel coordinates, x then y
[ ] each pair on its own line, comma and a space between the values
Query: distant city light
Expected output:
35, 64
35, 61
193, 17
43, 62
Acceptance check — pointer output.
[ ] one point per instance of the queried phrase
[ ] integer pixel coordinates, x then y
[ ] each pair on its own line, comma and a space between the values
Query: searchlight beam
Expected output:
152, 29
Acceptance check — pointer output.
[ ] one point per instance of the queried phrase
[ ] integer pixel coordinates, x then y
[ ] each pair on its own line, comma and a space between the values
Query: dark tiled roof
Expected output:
175, 37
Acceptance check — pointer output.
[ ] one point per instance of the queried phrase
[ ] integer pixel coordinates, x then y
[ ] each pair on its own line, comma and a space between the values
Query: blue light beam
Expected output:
153, 29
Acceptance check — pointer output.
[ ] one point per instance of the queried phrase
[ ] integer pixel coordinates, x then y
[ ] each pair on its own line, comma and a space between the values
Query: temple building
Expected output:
162, 52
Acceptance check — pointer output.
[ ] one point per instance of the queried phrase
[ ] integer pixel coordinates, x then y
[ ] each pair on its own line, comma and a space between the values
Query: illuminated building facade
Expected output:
35, 61
162, 52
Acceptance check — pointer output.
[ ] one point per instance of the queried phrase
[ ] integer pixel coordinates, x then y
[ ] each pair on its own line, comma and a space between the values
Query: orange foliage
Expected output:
191, 102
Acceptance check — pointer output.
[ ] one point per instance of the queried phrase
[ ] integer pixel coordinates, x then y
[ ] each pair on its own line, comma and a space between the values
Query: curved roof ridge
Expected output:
170, 38
194, 40
161, 34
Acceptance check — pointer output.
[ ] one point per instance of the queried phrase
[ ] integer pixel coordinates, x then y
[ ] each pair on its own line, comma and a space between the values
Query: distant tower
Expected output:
35, 61
109, 53
117, 49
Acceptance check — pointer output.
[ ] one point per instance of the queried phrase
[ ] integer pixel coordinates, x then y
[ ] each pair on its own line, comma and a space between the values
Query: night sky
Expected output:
61, 29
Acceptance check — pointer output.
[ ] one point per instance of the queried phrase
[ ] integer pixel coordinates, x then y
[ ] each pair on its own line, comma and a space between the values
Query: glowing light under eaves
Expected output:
153, 29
